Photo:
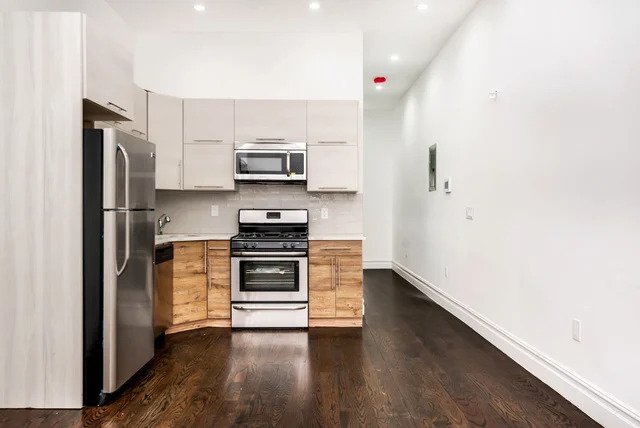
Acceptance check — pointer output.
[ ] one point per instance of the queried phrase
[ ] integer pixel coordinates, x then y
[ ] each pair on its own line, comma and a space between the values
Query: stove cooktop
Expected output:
271, 236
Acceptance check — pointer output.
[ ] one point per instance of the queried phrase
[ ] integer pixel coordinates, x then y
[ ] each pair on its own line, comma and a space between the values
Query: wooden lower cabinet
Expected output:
219, 280
201, 285
335, 283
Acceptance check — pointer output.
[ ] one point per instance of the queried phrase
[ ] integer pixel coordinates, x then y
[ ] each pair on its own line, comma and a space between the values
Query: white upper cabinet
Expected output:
332, 168
138, 126
208, 167
270, 120
332, 122
165, 131
208, 121
108, 87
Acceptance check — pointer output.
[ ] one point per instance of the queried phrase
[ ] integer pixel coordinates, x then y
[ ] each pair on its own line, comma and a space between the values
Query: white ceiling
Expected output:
389, 27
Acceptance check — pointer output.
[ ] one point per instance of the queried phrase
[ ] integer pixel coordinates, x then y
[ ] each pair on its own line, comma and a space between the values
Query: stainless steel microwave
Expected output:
270, 161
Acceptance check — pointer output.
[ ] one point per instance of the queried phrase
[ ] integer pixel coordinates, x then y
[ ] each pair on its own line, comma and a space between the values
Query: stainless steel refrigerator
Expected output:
119, 229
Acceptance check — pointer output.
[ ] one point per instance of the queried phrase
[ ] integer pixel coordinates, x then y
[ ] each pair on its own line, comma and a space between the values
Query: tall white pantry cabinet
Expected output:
50, 77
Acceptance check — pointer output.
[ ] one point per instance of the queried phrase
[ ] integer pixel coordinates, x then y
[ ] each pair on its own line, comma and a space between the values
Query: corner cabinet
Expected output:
332, 151
335, 283
201, 285
165, 131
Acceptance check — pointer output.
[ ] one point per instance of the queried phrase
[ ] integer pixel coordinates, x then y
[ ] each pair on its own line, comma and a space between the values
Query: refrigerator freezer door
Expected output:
128, 297
129, 169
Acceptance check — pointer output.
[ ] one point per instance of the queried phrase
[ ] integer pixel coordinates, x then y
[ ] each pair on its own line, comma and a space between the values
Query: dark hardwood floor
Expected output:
413, 364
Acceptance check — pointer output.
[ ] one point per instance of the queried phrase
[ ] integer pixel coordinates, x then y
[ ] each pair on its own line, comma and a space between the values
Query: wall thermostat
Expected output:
447, 185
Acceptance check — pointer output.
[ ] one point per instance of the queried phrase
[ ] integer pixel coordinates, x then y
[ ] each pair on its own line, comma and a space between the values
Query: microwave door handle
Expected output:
127, 206
288, 164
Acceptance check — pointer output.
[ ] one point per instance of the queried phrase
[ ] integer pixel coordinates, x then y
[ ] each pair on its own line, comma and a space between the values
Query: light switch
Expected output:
577, 331
324, 213
469, 213
214, 211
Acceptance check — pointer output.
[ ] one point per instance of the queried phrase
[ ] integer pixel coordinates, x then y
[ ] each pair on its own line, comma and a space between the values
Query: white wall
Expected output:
552, 171
380, 140
251, 65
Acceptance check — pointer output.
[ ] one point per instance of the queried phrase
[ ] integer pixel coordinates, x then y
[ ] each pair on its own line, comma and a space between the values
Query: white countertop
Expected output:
181, 237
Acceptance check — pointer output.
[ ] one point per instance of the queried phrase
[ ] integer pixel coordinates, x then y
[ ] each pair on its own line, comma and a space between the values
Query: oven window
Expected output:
269, 276
261, 163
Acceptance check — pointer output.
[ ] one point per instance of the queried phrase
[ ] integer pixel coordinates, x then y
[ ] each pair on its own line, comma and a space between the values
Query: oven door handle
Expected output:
270, 254
269, 308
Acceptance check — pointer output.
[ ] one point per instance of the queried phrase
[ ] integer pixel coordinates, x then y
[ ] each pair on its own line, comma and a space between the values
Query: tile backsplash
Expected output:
190, 212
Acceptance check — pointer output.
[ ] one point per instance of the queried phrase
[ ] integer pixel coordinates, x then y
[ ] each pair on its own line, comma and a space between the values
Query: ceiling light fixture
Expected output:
394, 58
199, 7
314, 5
422, 7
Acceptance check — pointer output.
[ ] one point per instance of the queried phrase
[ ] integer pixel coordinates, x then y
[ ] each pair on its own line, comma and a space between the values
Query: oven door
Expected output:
270, 165
269, 279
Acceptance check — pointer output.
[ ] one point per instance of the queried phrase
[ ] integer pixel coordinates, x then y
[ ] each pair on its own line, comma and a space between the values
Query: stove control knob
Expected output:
293, 244
284, 245
254, 245
245, 245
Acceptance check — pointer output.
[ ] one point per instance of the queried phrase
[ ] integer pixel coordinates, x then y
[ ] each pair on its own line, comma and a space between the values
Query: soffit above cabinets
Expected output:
390, 27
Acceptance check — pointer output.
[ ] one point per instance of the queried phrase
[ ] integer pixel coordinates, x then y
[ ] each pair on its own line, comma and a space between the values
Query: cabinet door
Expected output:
322, 283
138, 126
165, 131
332, 122
219, 282
270, 120
332, 168
349, 287
208, 121
208, 167
108, 75
189, 282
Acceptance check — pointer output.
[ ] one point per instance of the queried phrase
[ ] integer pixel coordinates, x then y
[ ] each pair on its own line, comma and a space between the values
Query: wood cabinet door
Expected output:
322, 284
165, 131
219, 280
189, 282
208, 167
332, 168
270, 120
108, 78
332, 122
208, 121
349, 287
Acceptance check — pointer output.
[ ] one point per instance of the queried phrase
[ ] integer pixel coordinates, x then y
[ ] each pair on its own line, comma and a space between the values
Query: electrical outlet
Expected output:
469, 213
577, 331
446, 272
214, 211
324, 213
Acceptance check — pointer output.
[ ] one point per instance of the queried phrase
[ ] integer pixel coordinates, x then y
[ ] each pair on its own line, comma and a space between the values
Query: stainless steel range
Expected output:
269, 270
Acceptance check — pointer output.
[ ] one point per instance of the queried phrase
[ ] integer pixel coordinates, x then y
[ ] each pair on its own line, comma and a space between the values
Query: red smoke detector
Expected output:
379, 80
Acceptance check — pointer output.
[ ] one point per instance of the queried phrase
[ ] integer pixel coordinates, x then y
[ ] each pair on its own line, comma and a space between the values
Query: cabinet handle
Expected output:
333, 273
139, 132
218, 249
332, 142
270, 139
333, 188
339, 275
205, 256
207, 141
336, 248
180, 174
109, 103
208, 187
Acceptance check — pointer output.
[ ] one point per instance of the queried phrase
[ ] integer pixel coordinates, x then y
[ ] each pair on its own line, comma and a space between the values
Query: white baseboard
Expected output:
601, 406
370, 264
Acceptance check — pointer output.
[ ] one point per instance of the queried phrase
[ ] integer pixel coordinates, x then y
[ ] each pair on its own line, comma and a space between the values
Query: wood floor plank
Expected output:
412, 364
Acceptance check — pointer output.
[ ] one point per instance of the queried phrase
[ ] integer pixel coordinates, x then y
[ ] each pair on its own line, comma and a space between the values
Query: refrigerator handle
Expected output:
127, 239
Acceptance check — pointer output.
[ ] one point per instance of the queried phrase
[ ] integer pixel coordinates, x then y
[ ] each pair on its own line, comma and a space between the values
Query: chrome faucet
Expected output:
162, 222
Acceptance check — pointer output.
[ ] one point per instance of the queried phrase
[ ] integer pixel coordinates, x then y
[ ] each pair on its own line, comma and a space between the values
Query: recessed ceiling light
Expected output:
422, 7
379, 87
314, 5
199, 7
394, 57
